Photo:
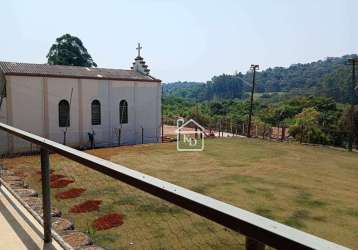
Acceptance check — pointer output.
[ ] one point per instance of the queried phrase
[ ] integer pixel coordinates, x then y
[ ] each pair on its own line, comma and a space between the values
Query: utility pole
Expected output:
353, 62
253, 67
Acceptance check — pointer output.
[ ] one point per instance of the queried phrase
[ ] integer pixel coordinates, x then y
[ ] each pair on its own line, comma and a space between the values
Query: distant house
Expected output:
66, 103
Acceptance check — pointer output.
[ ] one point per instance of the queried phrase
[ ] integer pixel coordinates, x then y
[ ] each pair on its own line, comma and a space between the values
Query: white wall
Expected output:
142, 98
95, 90
24, 94
148, 111
3, 135
59, 89
28, 105
122, 91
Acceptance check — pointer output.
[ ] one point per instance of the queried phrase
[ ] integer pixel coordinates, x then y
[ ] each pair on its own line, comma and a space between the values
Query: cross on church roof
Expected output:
139, 48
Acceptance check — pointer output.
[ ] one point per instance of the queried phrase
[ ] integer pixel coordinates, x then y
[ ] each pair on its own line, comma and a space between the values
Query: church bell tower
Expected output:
139, 64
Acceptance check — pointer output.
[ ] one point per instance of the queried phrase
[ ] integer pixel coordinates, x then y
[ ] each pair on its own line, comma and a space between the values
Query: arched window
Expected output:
123, 112
64, 113
96, 112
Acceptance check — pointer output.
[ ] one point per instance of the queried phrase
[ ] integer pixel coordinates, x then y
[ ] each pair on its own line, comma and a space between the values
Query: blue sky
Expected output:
184, 40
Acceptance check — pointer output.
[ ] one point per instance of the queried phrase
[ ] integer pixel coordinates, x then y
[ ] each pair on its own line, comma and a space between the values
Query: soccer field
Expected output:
310, 188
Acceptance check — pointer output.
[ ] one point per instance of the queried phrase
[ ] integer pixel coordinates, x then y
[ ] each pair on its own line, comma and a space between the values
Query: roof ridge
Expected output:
60, 65
70, 71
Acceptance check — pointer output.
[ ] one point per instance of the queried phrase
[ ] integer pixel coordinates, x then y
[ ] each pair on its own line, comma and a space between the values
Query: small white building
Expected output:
66, 103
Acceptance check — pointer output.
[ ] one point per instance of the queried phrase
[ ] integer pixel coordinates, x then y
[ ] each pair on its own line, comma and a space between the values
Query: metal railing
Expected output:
259, 231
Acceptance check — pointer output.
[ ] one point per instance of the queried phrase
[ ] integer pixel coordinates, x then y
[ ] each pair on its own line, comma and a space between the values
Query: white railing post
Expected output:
46, 195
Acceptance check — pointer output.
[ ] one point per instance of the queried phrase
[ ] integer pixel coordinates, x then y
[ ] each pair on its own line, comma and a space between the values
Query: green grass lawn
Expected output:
310, 188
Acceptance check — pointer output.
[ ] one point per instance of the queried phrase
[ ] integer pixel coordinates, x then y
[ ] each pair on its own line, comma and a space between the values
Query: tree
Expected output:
306, 127
262, 128
69, 50
225, 86
336, 85
347, 122
217, 108
200, 117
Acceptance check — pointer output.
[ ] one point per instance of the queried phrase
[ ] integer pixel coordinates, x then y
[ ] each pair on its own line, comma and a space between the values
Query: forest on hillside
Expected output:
311, 100
330, 78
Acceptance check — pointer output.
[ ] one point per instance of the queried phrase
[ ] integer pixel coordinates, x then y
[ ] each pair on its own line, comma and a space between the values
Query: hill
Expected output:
329, 77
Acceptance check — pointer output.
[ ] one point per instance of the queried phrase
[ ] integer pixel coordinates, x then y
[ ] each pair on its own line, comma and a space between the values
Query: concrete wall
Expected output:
110, 93
3, 115
32, 105
95, 90
3, 135
148, 111
60, 89
24, 109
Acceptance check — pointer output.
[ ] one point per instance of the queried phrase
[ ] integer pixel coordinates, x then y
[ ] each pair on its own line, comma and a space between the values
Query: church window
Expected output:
96, 112
64, 113
123, 112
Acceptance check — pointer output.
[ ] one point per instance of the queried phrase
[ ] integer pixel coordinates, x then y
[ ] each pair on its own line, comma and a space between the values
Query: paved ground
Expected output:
18, 229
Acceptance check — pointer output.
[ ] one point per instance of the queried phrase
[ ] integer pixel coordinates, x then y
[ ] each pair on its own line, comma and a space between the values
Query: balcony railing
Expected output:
259, 231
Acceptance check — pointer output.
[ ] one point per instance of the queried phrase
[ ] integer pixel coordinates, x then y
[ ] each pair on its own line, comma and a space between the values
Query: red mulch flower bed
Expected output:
87, 206
108, 221
60, 183
55, 177
72, 193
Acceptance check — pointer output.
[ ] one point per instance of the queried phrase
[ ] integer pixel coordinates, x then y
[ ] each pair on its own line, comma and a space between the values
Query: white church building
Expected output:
69, 104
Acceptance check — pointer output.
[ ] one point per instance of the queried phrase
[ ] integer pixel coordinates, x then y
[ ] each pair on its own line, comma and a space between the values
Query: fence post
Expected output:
219, 128
252, 244
46, 195
119, 136
156, 134
142, 135
1, 173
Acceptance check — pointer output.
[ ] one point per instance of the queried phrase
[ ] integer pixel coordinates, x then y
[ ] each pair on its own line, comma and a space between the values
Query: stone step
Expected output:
60, 225
9, 178
16, 184
2, 167
33, 202
7, 173
76, 239
55, 212
26, 192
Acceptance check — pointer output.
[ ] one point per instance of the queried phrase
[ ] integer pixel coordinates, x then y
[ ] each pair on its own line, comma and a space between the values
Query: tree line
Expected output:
329, 78
309, 119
